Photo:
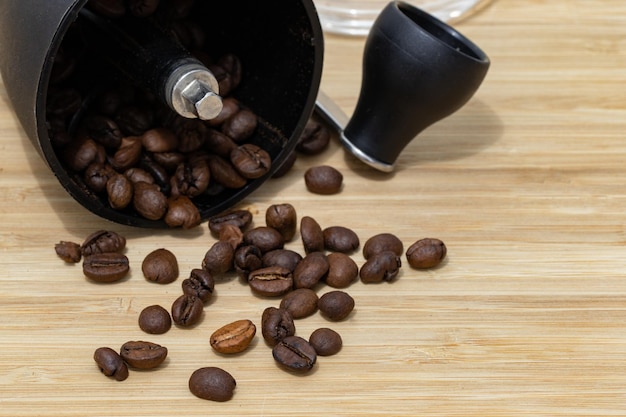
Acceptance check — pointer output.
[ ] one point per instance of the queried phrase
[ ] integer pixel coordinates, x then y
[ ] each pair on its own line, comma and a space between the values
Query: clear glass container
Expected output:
355, 17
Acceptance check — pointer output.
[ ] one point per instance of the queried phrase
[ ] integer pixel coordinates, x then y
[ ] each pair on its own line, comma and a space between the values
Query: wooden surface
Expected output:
527, 316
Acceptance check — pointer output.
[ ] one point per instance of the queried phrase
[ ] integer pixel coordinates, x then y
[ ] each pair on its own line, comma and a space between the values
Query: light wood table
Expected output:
527, 316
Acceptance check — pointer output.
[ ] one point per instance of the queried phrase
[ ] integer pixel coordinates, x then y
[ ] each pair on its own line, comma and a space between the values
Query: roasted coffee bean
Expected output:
231, 234
143, 355
80, 154
200, 284
265, 238
336, 305
212, 384
110, 101
97, 174
300, 303
157, 171
232, 64
119, 191
247, 259
142, 8
103, 241
311, 270
219, 258
234, 337
106, 267
382, 266
295, 354
155, 319
272, 281
149, 201
426, 253
223, 78
276, 324
182, 212
382, 242
312, 235
191, 134
68, 251
251, 161
134, 121
137, 175
325, 341
286, 258
103, 130
224, 173
314, 139
187, 310
323, 179
219, 144
159, 139
240, 126
230, 106
160, 266
283, 218
111, 363
342, 270
108, 8
240, 218
191, 178
340, 239
127, 155
169, 160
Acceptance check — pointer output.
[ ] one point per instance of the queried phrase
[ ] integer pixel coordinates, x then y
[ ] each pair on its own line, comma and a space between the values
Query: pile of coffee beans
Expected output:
258, 256
127, 148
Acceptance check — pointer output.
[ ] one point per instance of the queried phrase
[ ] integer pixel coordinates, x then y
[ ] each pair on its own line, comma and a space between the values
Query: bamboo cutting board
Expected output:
526, 316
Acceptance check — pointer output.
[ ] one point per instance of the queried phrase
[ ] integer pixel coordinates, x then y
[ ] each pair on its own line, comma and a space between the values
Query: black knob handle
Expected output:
416, 71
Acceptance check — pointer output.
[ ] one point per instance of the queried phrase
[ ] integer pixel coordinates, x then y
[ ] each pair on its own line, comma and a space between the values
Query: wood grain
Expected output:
526, 317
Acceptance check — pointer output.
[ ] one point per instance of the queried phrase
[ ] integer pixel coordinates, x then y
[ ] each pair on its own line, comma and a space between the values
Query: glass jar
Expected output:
355, 17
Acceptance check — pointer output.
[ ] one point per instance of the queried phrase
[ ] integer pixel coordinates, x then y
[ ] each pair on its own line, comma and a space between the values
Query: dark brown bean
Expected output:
111, 363
219, 258
382, 266
231, 234
160, 266
272, 281
200, 284
300, 303
68, 251
342, 270
251, 161
103, 241
314, 139
265, 238
219, 144
155, 319
239, 218
182, 212
103, 130
134, 120
340, 239
295, 353
97, 174
286, 258
312, 235
283, 218
143, 355
325, 341
382, 242
80, 154
149, 201
211, 383
336, 305
159, 139
127, 155
106, 267
187, 310
119, 191
311, 270
224, 173
276, 324
234, 337
247, 259
240, 126
323, 179
426, 253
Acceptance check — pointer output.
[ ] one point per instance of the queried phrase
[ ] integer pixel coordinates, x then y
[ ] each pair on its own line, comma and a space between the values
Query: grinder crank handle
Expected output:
417, 70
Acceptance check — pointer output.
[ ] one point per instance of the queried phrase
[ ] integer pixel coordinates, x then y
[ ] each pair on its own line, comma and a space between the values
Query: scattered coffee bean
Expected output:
265, 238
212, 383
219, 258
68, 251
251, 161
323, 179
300, 303
326, 341
231, 234
240, 218
182, 212
314, 139
312, 235
103, 241
382, 266
426, 253
234, 337
240, 126
187, 310
160, 266
111, 363
276, 324
311, 270
340, 239
247, 259
149, 201
283, 218
119, 191
336, 305
342, 270
382, 242
155, 319
295, 353
143, 355
271, 281
200, 284
286, 258
106, 267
